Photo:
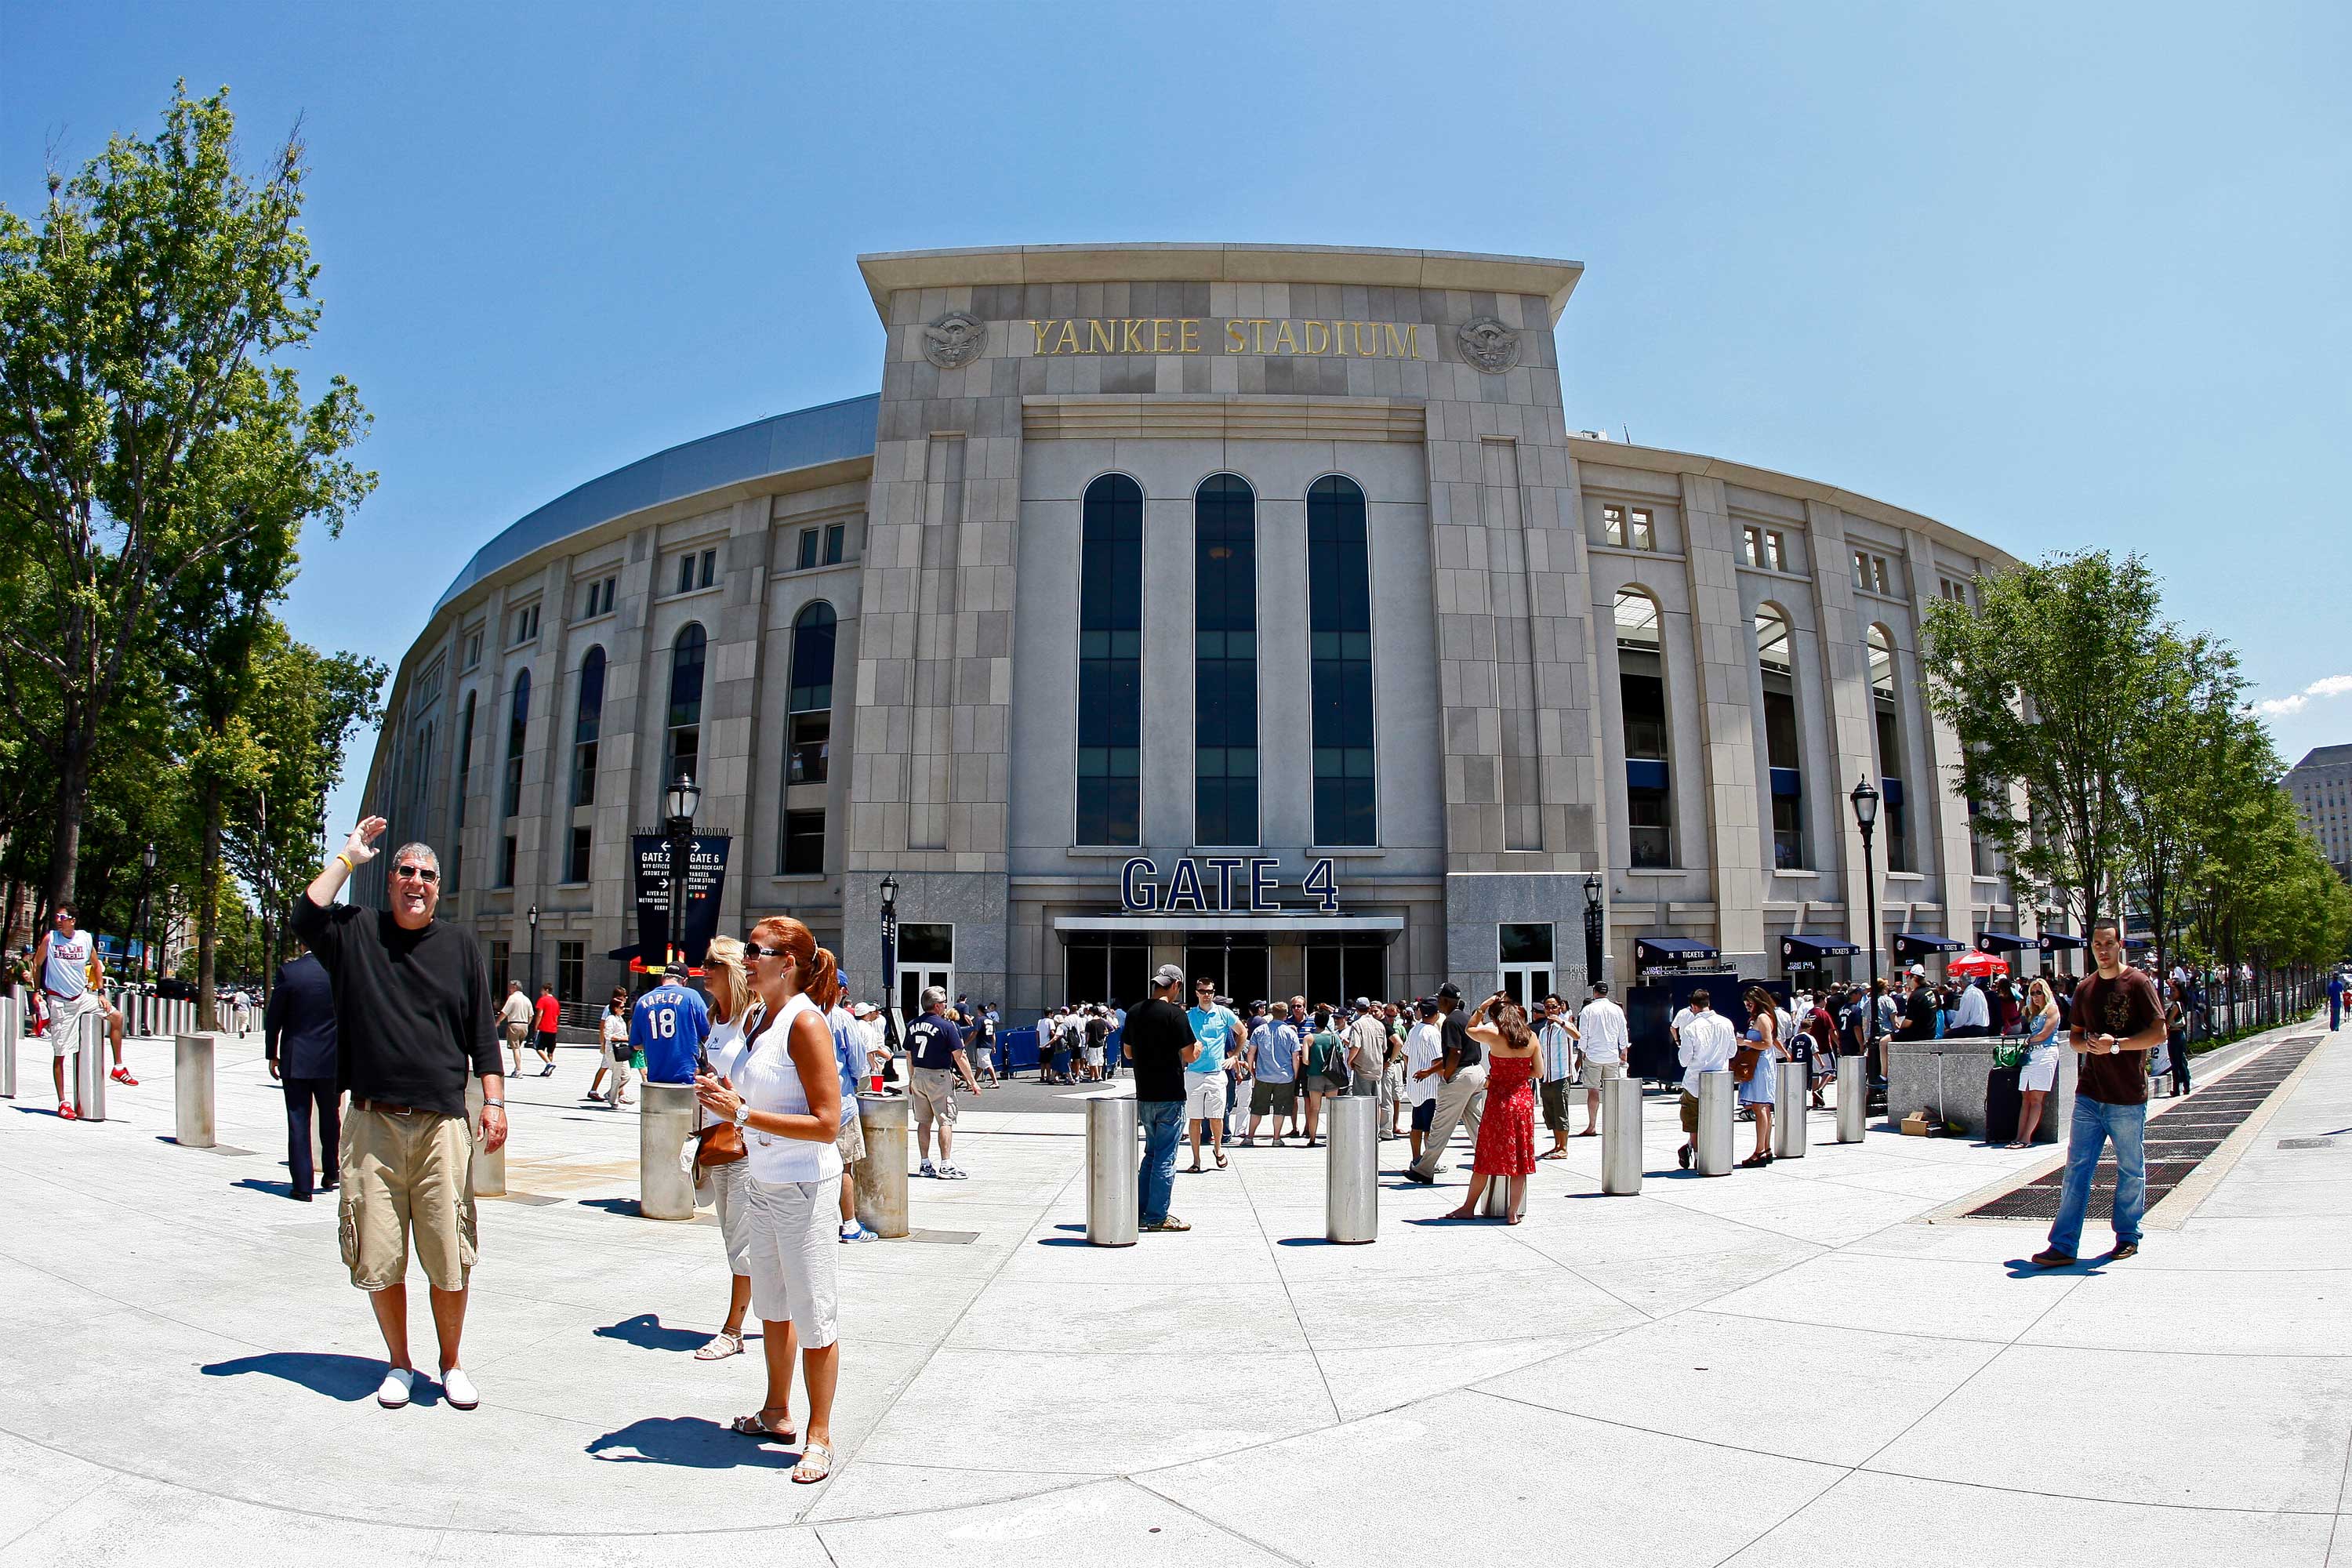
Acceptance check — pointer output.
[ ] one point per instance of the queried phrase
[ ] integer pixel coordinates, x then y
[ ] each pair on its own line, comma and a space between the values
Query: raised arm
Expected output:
356, 852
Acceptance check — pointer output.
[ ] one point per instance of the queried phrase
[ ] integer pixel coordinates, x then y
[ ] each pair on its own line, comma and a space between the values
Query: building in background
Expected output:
2321, 785
1256, 608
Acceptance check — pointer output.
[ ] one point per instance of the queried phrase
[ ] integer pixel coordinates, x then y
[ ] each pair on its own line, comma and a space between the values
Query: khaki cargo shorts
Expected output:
934, 1095
851, 1140
404, 1176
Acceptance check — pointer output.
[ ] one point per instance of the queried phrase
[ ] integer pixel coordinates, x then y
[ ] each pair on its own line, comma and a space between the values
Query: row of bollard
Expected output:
1351, 1153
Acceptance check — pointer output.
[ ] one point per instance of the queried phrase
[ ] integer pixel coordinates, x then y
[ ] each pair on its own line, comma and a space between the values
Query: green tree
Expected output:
2047, 684
148, 427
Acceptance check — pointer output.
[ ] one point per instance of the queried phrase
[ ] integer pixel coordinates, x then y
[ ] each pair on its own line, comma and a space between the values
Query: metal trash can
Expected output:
1852, 1097
1789, 1132
1112, 1173
878, 1182
192, 1090
1351, 1169
1715, 1094
1620, 1136
89, 1068
488, 1168
665, 1171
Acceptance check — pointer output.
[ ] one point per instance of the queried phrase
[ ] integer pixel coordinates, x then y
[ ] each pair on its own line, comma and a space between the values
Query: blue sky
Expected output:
2063, 276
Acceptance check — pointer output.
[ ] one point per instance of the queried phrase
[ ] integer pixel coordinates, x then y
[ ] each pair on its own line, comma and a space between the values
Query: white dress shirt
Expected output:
1424, 1047
1602, 1024
1707, 1043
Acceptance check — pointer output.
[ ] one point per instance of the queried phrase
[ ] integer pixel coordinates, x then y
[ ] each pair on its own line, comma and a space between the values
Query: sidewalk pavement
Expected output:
1795, 1365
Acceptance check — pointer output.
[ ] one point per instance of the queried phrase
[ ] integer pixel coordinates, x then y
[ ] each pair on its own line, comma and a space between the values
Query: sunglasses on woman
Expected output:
753, 950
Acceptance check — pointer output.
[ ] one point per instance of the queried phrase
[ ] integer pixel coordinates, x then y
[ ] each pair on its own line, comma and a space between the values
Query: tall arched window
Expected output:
518, 722
1641, 704
1887, 725
1339, 627
809, 710
464, 782
1111, 661
1783, 751
685, 716
587, 724
1224, 662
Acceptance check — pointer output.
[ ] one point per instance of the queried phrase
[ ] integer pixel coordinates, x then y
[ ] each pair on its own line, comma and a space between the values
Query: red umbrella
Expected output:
1968, 965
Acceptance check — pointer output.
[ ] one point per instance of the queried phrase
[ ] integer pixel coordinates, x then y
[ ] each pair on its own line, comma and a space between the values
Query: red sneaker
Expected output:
65, 1110
122, 1075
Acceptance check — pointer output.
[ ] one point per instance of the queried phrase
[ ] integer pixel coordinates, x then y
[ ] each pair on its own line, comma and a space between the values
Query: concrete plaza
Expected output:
1814, 1365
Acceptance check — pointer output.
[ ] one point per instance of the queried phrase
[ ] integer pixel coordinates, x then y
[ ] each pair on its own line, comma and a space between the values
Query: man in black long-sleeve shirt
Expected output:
298, 1032
412, 1021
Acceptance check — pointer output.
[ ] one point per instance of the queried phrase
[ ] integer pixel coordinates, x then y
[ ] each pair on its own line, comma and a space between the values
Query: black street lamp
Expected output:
531, 917
1592, 929
891, 959
146, 946
1865, 816
680, 801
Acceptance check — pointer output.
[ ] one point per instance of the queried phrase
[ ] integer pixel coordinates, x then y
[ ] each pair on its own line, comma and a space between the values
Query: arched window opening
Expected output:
809, 710
685, 716
518, 725
1783, 752
1641, 706
587, 725
1110, 662
1887, 726
1224, 662
1340, 638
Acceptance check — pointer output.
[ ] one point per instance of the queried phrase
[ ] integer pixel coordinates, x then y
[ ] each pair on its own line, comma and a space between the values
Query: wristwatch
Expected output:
742, 1113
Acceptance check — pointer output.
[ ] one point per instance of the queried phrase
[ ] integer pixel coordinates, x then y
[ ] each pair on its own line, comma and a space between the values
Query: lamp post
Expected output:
679, 800
1592, 932
146, 947
891, 959
1865, 816
530, 917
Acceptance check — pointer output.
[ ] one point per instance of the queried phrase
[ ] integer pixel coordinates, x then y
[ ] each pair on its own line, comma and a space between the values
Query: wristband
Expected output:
494, 1105
349, 869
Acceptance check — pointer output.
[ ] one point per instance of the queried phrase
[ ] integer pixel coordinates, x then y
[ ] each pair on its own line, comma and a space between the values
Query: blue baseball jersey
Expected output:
670, 1024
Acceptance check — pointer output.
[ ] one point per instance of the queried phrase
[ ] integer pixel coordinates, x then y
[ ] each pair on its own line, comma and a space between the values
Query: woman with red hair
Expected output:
781, 1086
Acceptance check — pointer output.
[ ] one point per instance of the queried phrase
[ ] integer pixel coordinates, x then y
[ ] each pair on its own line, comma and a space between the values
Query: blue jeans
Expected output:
2096, 1122
1156, 1185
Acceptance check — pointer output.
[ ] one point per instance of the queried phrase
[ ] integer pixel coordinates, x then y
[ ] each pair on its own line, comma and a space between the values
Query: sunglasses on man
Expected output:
425, 874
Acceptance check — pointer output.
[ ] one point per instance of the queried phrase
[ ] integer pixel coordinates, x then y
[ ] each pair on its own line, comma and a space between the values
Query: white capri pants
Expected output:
726, 1184
792, 1247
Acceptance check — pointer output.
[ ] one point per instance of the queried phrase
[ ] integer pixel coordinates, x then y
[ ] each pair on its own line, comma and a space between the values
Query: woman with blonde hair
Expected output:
2040, 1075
729, 984
780, 1085
1759, 1091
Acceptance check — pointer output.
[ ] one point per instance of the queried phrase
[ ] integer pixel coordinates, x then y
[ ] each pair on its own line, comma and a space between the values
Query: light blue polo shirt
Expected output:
1215, 1028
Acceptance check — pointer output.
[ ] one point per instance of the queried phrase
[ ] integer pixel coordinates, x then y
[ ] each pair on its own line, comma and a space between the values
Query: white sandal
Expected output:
816, 1464
722, 1345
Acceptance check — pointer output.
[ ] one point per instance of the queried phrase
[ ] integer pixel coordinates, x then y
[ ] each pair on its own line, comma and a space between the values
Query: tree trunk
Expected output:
72, 800
208, 872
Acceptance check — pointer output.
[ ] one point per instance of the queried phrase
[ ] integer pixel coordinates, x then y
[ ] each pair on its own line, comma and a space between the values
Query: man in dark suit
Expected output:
299, 1032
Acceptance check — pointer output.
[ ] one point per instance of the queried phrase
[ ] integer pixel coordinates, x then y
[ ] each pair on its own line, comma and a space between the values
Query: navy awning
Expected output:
1919, 943
1788, 782
1642, 773
2057, 940
2001, 942
1669, 950
1811, 948
2136, 944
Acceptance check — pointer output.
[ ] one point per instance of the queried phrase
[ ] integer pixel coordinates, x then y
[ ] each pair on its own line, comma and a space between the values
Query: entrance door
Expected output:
1525, 951
926, 958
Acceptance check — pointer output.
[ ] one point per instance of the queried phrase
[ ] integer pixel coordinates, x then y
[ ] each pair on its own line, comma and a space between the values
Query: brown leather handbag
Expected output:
722, 1143
1743, 1063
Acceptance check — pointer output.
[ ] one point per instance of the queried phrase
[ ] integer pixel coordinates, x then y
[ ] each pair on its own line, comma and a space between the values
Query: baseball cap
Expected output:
1450, 991
1168, 975
1363, 1003
1428, 1006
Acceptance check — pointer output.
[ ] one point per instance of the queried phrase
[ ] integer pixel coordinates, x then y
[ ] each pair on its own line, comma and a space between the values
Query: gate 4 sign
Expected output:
1219, 884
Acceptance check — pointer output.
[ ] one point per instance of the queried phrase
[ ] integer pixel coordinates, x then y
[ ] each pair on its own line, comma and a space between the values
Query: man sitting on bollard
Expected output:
1707, 1043
412, 1021
62, 961
1159, 1043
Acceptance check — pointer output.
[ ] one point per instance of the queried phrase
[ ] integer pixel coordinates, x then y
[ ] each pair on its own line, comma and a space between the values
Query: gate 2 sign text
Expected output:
1219, 884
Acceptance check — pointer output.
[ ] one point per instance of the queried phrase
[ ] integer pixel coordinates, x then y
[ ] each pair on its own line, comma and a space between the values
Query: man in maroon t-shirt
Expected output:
2116, 1021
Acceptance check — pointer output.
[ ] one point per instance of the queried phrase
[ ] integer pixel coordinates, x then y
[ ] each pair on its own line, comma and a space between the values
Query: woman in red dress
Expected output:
1506, 1134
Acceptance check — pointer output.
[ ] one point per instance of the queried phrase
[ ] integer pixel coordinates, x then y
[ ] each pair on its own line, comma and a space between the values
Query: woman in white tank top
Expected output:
782, 1085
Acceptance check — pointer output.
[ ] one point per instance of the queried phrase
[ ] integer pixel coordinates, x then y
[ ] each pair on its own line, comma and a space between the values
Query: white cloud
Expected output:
2325, 686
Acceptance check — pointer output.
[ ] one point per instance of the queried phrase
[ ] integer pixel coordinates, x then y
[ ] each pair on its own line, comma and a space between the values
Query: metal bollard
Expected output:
192, 1090
665, 1127
1351, 1169
1852, 1097
1620, 1136
1789, 1133
488, 1169
879, 1184
1715, 1094
89, 1068
12, 1020
1112, 1213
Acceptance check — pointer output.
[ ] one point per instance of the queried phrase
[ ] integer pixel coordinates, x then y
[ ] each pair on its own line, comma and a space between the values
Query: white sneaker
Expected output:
459, 1389
951, 1174
394, 1391
927, 1170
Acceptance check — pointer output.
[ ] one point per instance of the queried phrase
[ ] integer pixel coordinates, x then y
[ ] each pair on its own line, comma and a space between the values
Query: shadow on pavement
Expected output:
691, 1441
349, 1378
646, 1331
275, 1189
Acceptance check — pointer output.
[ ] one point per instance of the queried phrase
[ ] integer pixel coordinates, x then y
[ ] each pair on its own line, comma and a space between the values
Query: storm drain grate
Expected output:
2177, 1141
